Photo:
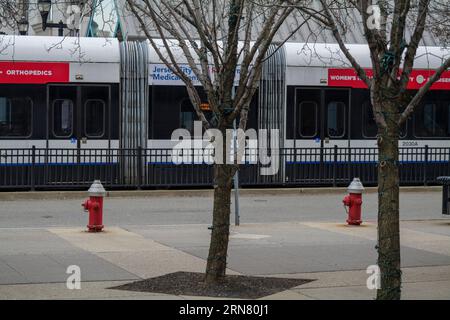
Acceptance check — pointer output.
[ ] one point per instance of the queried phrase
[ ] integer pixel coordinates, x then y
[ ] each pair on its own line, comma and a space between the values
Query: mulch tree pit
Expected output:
232, 286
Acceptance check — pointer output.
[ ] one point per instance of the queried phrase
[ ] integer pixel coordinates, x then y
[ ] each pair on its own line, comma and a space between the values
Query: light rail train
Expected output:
65, 96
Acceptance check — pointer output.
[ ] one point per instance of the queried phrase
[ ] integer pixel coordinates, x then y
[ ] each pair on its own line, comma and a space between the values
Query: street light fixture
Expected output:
44, 7
23, 26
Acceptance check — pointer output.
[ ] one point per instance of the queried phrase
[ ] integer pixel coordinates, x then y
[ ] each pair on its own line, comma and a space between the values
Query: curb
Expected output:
68, 195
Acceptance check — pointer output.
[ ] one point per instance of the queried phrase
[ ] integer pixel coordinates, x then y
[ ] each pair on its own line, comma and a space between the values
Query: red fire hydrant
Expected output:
94, 205
354, 201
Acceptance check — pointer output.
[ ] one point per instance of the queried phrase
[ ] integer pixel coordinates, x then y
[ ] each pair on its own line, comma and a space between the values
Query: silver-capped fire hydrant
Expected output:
94, 205
354, 201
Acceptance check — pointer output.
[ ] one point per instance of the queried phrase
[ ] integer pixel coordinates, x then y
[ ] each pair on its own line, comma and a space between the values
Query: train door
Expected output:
307, 118
321, 120
321, 123
78, 134
78, 116
335, 118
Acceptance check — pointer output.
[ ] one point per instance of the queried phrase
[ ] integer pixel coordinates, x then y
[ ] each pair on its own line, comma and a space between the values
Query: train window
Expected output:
15, 117
369, 126
187, 115
336, 119
62, 117
94, 115
431, 121
308, 119
5, 109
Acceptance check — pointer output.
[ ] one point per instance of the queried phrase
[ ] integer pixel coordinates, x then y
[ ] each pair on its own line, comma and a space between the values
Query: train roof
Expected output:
327, 55
59, 49
177, 52
330, 55
107, 50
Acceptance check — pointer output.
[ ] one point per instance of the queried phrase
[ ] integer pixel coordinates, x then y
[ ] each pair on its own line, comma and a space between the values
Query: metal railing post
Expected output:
425, 167
335, 165
33, 168
445, 198
349, 164
139, 167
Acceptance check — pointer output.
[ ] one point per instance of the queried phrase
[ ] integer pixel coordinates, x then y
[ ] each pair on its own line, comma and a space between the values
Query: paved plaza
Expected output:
290, 235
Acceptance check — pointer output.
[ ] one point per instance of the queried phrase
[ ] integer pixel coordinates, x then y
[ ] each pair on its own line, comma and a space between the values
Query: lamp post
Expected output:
44, 9
22, 25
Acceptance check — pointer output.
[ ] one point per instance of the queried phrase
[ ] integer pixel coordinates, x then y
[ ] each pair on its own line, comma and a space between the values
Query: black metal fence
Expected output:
35, 168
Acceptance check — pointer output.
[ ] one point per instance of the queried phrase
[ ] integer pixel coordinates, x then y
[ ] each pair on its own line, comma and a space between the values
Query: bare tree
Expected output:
393, 31
220, 35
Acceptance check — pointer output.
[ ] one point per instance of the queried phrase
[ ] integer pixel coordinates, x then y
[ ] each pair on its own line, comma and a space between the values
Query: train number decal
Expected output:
410, 144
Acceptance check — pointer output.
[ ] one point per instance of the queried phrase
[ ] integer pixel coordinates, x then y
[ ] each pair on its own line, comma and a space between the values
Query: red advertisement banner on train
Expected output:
33, 72
349, 78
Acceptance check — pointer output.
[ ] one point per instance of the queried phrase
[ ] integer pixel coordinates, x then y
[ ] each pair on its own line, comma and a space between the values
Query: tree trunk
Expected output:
218, 248
388, 207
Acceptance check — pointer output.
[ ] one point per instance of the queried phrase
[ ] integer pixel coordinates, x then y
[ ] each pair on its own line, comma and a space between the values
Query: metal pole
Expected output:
236, 180
236, 175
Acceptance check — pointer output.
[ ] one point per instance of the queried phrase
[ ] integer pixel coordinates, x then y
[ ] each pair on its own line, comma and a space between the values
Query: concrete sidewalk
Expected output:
33, 261
340, 285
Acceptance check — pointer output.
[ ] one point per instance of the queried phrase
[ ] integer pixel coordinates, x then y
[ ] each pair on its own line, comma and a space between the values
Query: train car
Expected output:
328, 105
336, 103
323, 111
59, 96
75, 109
